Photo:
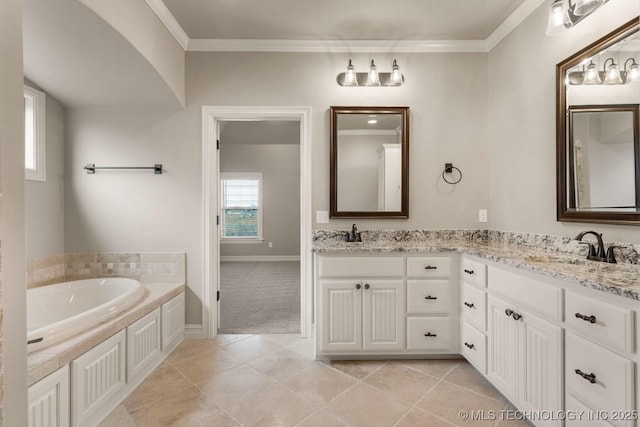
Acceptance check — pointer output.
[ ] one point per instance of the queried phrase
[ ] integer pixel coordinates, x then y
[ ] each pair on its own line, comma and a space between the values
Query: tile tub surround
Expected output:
43, 362
557, 257
142, 266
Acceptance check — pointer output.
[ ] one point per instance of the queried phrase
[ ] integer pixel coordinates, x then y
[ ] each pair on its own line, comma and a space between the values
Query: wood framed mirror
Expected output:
369, 162
597, 160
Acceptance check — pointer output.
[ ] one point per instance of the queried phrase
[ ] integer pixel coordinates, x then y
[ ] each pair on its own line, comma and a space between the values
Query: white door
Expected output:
502, 368
384, 314
340, 308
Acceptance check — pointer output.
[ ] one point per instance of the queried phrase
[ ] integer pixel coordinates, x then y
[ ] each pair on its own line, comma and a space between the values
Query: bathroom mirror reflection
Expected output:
369, 162
598, 93
603, 158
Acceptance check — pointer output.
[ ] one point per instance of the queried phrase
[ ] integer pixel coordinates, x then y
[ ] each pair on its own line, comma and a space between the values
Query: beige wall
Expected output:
13, 336
522, 136
44, 200
139, 25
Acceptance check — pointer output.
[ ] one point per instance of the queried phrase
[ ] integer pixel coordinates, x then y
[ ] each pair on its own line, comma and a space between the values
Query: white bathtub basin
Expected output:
57, 312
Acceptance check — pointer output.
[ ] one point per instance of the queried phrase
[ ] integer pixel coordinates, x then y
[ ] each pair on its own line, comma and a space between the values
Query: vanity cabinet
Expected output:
386, 304
473, 310
524, 349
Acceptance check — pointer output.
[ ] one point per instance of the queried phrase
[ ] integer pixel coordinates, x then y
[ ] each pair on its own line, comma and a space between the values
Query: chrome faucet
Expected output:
354, 236
599, 253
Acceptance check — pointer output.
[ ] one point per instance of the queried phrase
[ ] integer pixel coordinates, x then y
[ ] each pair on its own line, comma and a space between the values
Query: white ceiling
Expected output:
341, 19
341, 25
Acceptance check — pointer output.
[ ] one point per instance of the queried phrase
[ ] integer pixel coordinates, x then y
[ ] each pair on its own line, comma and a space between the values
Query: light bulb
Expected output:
350, 77
585, 7
612, 74
557, 18
396, 76
591, 76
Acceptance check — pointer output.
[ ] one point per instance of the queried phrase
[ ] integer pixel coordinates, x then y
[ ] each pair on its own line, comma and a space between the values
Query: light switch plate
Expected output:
482, 215
322, 217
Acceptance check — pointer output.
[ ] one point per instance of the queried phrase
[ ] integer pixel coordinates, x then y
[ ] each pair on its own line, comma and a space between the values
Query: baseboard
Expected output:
260, 258
193, 332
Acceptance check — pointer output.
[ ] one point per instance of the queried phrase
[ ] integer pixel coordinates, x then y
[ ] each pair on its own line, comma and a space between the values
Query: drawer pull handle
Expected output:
429, 334
517, 316
590, 319
358, 286
508, 312
470, 305
469, 346
589, 377
366, 286
431, 267
468, 271
430, 297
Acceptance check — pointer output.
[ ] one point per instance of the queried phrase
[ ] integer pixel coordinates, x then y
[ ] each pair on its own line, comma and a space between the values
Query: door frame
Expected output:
211, 116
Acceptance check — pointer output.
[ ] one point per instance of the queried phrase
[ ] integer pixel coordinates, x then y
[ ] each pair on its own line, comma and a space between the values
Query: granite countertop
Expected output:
621, 279
42, 362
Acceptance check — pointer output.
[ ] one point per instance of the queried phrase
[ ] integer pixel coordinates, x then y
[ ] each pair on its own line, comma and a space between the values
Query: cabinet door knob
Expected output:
366, 286
590, 319
589, 377
468, 271
431, 267
358, 286
517, 316
470, 305
508, 312
430, 297
429, 334
469, 346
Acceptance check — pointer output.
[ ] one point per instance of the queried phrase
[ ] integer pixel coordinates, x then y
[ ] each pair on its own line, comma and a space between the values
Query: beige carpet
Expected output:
259, 297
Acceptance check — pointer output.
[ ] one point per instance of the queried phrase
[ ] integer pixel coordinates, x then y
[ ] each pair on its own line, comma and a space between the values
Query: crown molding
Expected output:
343, 46
169, 21
337, 46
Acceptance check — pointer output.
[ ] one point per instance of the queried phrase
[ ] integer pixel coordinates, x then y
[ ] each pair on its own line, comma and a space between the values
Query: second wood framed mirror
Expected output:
369, 159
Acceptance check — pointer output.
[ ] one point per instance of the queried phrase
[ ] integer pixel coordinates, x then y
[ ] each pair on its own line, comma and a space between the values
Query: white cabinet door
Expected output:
383, 316
49, 400
502, 368
340, 314
540, 379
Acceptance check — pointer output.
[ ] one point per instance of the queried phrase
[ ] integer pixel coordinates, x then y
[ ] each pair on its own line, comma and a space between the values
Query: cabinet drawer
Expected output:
474, 346
584, 415
473, 306
360, 266
474, 272
431, 266
613, 384
542, 298
428, 296
428, 333
600, 321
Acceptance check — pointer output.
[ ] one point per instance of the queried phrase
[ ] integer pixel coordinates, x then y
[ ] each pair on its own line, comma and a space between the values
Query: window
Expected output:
241, 206
34, 134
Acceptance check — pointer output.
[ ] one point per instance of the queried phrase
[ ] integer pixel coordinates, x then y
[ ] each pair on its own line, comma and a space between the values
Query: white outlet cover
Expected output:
322, 217
482, 215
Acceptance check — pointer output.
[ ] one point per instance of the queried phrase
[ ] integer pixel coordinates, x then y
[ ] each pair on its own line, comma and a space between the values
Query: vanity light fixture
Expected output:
564, 14
372, 78
611, 73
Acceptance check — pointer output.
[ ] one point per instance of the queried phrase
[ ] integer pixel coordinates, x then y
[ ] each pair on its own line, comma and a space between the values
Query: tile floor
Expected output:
272, 380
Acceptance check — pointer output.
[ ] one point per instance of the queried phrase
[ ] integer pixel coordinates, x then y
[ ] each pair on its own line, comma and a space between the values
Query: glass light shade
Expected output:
350, 78
591, 76
585, 7
373, 79
557, 17
633, 73
612, 75
396, 76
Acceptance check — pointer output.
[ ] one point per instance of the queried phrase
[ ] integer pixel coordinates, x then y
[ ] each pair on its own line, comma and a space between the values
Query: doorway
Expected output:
213, 118
259, 227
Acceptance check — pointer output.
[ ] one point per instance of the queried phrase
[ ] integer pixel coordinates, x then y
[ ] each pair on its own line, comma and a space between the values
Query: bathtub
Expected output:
57, 312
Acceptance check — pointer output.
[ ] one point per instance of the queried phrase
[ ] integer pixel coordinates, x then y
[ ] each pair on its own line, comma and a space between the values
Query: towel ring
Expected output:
448, 168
